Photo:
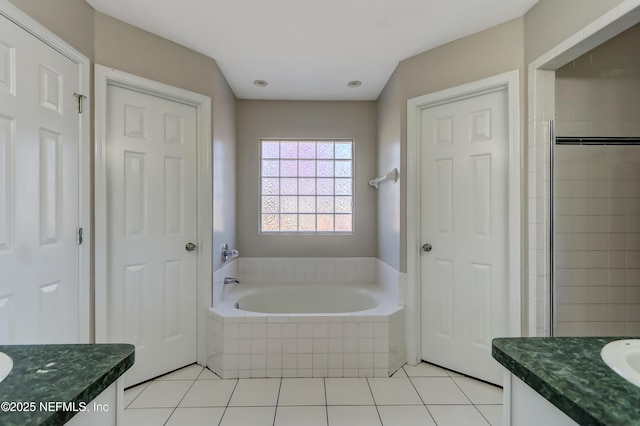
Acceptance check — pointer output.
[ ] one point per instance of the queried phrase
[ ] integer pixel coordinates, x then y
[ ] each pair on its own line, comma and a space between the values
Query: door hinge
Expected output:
80, 97
79, 236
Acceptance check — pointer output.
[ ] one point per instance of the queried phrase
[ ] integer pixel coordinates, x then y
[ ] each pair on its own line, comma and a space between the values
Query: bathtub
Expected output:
303, 299
305, 330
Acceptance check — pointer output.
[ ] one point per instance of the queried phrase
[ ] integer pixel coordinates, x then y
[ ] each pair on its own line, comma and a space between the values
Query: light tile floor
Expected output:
423, 395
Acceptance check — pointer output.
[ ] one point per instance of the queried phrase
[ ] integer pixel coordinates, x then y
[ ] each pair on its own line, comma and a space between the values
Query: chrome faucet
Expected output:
230, 280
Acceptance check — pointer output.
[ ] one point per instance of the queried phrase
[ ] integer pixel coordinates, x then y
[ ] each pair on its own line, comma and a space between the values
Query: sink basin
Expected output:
623, 357
6, 364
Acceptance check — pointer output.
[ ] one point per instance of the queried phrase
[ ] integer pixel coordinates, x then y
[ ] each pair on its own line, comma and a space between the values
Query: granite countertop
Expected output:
569, 373
59, 373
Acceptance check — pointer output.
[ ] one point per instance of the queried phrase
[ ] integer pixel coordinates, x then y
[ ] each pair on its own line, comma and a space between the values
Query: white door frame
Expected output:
105, 76
509, 81
26, 22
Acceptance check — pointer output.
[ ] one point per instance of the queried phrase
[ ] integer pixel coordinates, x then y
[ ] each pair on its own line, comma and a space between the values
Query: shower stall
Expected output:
595, 236
594, 192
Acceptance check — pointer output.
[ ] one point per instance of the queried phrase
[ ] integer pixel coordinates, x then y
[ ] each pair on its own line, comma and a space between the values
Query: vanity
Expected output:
57, 384
563, 381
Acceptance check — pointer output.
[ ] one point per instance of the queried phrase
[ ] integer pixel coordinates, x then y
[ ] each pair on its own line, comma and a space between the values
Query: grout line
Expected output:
259, 406
416, 389
420, 396
371, 392
185, 394
181, 399
483, 416
375, 404
463, 392
326, 401
227, 406
139, 393
453, 405
275, 412
168, 418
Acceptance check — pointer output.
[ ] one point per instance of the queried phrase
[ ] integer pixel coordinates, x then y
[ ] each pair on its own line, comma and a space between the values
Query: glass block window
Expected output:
306, 186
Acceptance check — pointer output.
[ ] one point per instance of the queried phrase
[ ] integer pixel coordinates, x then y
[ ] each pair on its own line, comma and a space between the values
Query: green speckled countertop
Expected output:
59, 373
569, 373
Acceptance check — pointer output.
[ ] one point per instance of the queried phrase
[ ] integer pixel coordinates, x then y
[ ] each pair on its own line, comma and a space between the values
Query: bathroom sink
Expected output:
623, 357
6, 364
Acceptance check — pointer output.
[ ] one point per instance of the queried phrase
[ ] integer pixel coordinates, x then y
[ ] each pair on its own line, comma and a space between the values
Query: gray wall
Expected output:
484, 54
224, 168
71, 20
550, 22
597, 93
124, 47
389, 157
306, 119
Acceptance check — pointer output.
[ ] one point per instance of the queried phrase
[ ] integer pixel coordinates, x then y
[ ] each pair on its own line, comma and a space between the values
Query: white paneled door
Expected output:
151, 220
39, 191
464, 232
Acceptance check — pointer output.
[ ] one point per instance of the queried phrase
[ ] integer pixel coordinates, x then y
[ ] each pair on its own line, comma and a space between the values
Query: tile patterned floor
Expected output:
423, 395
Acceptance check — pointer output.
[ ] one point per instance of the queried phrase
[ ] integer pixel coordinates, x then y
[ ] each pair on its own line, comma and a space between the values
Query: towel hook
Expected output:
392, 176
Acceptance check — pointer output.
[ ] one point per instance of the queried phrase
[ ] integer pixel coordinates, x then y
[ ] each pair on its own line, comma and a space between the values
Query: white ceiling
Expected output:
311, 49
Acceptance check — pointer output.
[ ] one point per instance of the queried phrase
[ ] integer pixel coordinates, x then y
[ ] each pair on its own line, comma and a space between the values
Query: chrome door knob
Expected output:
190, 247
427, 247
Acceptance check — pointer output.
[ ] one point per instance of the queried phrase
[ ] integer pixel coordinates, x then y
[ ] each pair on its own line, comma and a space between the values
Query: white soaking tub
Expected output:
305, 330
306, 299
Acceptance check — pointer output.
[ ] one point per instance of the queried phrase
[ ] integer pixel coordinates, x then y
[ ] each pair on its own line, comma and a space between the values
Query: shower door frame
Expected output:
541, 94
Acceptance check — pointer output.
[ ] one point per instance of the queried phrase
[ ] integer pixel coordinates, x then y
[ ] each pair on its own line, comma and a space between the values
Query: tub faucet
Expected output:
230, 280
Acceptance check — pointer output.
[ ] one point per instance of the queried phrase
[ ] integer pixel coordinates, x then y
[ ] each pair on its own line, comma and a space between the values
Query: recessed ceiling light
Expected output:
260, 83
354, 83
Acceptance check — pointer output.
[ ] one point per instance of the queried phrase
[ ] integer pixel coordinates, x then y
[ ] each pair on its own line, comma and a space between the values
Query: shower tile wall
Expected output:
598, 192
598, 240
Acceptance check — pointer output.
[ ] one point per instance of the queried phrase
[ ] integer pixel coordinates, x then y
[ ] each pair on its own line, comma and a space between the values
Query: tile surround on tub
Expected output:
308, 346
301, 346
313, 270
307, 270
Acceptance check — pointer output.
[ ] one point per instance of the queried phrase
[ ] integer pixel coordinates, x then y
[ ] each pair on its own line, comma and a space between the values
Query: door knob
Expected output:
190, 247
427, 247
